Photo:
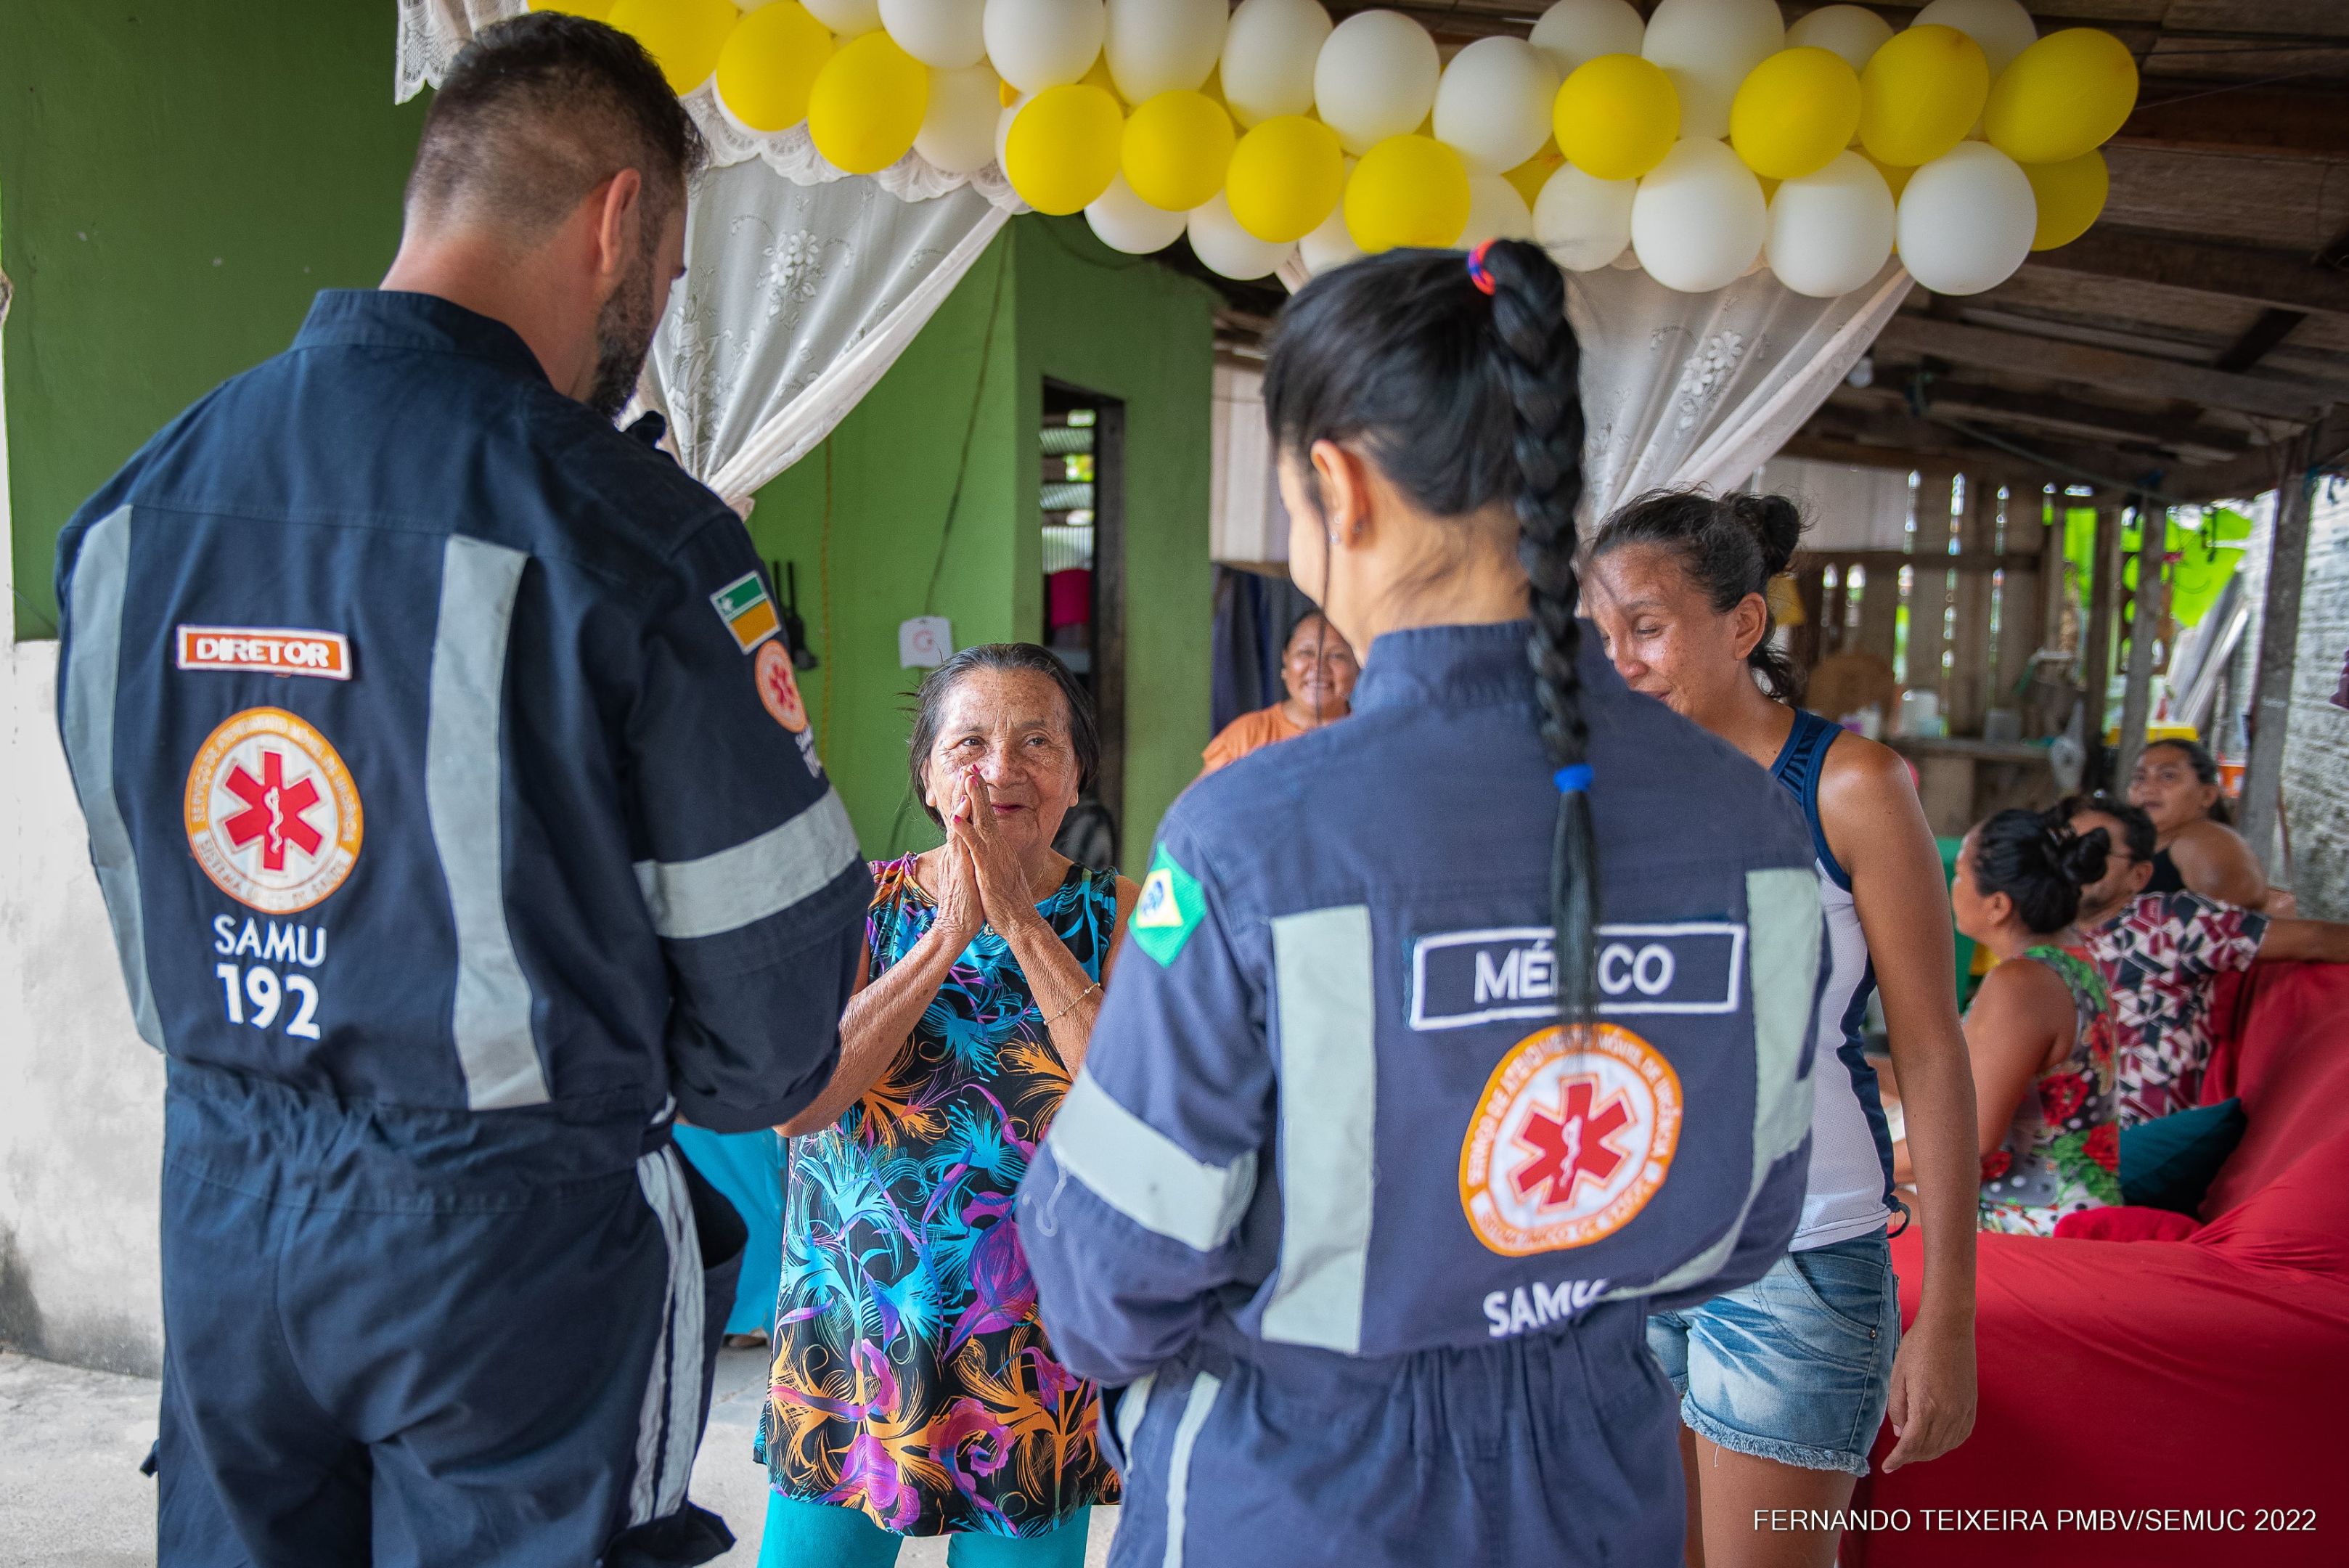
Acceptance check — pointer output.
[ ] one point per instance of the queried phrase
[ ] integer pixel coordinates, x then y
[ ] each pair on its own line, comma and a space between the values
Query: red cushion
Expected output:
2126, 1222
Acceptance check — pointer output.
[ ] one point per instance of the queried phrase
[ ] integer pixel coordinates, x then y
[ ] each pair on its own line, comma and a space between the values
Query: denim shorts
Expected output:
1795, 1366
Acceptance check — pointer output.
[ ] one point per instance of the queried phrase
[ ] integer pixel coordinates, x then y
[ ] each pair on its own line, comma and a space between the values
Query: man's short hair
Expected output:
539, 110
2138, 833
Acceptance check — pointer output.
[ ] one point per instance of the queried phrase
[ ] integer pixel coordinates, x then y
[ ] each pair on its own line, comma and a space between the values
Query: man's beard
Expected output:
623, 335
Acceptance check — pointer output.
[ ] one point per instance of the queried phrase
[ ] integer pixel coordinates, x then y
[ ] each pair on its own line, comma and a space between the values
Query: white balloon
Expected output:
1037, 44
1854, 32
1003, 122
1496, 212
958, 132
1375, 78
1573, 31
2003, 28
1583, 222
1830, 232
1698, 220
1268, 54
1492, 106
849, 18
1966, 220
1162, 45
1629, 261
944, 35
1707, 47
1124, 222
1223, 246
1332, 245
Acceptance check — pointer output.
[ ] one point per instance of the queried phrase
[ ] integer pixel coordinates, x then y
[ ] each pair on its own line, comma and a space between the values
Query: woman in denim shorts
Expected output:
1784, 1382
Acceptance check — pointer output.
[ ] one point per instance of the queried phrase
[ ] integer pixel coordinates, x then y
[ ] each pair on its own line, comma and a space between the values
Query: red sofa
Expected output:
2207, 1375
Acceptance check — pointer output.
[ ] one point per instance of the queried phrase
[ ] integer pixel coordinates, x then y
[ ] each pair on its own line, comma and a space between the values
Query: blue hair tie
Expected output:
1573, 779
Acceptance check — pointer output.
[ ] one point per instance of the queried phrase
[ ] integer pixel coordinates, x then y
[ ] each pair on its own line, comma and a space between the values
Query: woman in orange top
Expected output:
1317, 668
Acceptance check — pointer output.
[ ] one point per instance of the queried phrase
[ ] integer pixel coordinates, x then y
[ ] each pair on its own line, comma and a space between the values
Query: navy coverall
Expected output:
458, 825
1366, 1238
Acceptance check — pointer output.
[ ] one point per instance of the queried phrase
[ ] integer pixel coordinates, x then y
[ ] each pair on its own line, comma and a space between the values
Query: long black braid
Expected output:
1462, 400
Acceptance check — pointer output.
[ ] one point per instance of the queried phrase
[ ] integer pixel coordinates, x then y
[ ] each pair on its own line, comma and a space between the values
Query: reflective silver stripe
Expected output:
1200, 1404
94, 606
668, 1421
1144, 1174
464, 781
1781, 914
1328, 1125
756, 879
1131, 1407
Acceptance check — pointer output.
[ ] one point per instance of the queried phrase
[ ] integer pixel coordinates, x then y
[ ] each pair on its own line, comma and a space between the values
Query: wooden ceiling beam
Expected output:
2195, 440
2081, 364
2272, 327
2286, 121
2258, 470
2271, 278
1894, 428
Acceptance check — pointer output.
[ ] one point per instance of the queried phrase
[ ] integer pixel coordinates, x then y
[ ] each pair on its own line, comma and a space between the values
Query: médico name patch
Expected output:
267, 651
1464, 978
1170, 908
746, 610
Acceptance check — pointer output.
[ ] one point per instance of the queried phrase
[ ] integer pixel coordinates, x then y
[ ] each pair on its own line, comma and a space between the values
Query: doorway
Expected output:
1083, 450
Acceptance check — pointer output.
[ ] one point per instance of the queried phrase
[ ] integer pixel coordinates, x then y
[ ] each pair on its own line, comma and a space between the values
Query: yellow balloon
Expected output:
1285, 177
1177, 146
1793, 112
1921, 94
767, 68
1616, 116
1063, 150
1534, 173
594, 10
1407, 191
866, 104
2070, 194
1896, 175
684, 35
2065, 94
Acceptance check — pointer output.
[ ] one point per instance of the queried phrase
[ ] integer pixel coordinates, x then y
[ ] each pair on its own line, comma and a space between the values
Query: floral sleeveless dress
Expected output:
2061, 1154
911, 1377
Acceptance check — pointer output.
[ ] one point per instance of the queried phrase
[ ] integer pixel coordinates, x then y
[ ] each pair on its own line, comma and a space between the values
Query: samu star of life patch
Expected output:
1170, 908
746, 610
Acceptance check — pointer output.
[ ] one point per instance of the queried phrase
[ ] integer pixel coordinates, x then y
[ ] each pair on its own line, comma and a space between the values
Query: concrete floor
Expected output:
71, 1495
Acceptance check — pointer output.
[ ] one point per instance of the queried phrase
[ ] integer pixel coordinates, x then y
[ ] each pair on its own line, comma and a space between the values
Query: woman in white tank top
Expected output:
1785, 1382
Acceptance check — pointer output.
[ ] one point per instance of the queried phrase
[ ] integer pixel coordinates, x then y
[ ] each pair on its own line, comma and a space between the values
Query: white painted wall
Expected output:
81, 1095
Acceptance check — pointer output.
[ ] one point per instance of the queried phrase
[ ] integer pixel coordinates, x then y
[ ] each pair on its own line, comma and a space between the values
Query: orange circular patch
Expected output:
779, 688
272, 815
1575, 1132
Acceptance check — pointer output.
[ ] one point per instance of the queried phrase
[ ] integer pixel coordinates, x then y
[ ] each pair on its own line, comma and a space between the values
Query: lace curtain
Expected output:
802, 283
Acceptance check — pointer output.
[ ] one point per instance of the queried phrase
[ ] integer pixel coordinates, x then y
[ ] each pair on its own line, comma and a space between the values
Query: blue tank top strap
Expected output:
1801, 762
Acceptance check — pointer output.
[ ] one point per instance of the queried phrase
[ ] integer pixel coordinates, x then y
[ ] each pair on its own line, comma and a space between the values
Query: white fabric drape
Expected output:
803, 283
795, 300
1246, 524
1682, 390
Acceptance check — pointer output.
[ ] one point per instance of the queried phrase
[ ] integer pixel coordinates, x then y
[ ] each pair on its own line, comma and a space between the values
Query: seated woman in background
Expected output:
2160, 953
2195, 850
1317, 668
913, 1391
2039, 1031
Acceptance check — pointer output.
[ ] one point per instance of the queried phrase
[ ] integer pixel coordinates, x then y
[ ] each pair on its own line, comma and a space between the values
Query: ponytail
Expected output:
1459, 382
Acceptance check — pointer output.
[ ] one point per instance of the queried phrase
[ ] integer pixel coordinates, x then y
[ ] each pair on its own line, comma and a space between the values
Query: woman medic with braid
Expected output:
1463, 1034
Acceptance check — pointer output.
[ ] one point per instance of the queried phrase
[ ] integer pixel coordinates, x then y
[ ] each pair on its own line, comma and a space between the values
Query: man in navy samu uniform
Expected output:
453, 806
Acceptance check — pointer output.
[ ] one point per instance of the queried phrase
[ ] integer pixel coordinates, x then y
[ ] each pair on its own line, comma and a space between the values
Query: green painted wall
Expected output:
1063, 305
176, 181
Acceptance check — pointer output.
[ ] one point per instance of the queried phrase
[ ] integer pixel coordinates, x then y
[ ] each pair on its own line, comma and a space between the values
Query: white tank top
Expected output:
1851, 1149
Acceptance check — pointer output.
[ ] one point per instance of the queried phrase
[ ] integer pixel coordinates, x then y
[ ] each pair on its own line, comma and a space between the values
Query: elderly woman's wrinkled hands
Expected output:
1002, 881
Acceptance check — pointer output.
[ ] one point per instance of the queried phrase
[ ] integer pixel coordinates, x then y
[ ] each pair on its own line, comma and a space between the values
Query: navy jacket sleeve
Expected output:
1130, 1213
752, 871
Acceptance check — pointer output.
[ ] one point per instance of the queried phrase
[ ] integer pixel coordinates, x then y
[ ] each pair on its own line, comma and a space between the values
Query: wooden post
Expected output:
2278, 643
2145, 618
1928, 587
2096, 642
1880, 612
2022, 622
1809, 642
1969, 644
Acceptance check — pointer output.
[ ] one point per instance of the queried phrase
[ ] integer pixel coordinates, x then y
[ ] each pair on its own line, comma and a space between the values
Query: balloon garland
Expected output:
1697, 144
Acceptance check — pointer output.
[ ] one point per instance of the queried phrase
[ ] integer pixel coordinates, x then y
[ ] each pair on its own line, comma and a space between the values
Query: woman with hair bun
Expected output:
1785, 1382
2039, 1030
2197, 849
1414, 1105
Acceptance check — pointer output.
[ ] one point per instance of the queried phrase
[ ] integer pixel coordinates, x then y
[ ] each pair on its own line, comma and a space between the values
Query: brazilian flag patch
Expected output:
1169, 911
